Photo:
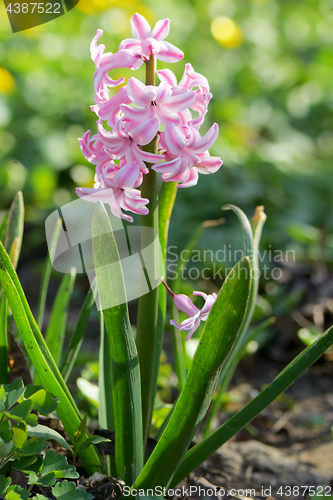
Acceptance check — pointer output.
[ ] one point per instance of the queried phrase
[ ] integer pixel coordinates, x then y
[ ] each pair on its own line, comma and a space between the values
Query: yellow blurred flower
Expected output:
94, 6
7, 83
226, 32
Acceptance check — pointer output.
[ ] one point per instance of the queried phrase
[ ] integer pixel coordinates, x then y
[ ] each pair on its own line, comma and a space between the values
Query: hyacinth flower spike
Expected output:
147, 42
185, 304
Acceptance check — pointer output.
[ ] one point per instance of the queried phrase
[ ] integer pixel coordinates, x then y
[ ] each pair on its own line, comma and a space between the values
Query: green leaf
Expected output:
200, 452
47, 480
41, 358
6, 448
126, 391
5, 431
55, 332
32, 447
22, 411
41, 431
78, 333
67, 491
31, 463
82, 429
17, 490
3, 340
47, 272
20, 434
93, 440
166, 201
44, 401
89, 390
4, 484
15, 391
219, 334
14, 494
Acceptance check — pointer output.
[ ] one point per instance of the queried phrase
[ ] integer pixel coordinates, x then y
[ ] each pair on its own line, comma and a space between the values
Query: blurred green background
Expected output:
270, 67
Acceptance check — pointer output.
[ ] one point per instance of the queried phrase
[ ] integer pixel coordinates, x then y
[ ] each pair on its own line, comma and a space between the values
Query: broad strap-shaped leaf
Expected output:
50, 376
105, 400
126, 391
217, 338
200, 452
251, 249
15, 290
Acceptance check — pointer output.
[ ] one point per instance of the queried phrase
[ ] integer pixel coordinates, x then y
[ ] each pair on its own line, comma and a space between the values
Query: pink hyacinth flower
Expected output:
125, 139
184, 304
147, 42
155, 102
187, 149
116, 187
191, 80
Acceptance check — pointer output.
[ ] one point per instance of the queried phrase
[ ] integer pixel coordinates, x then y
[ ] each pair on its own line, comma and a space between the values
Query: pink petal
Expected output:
140, 27
185, 304
149, 47
139, 93
136, 113
174, 139
163, 93
167, 76
169, 53
165, 116
180, 102
208, 139
96, 51
161, 29
145, 132
127, 175
195, 327
145, 156
192, 179
130, 44
95, 195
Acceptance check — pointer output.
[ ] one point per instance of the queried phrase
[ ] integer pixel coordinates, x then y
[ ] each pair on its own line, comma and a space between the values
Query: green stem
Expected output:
146, 337
166, 200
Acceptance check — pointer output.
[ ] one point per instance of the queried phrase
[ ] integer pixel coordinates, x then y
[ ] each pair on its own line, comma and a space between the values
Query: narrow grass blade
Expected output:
55, 332
3, 341
217, 338
46, 275
67, 414
78, 333
126, 391
200, 452
166, 200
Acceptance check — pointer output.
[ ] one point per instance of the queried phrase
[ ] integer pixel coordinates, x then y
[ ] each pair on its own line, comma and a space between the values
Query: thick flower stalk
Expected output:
139, 112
